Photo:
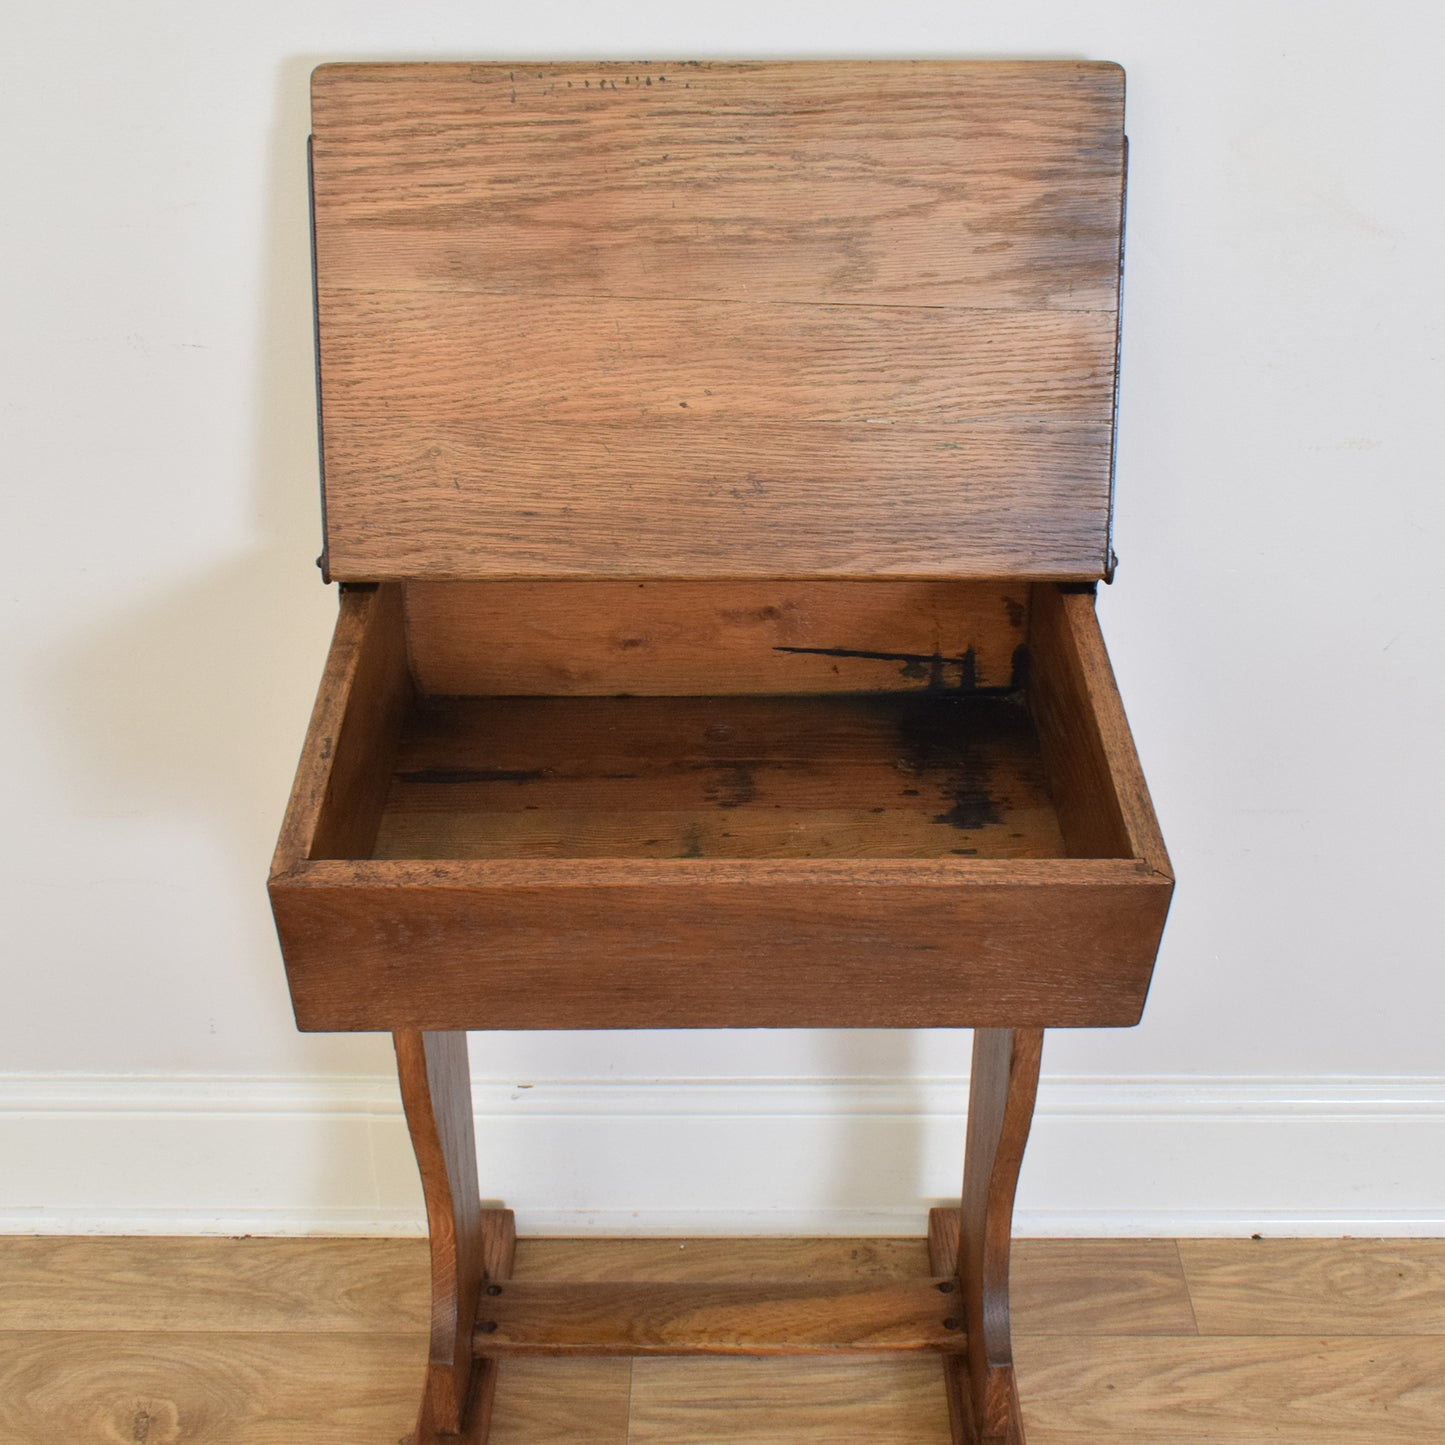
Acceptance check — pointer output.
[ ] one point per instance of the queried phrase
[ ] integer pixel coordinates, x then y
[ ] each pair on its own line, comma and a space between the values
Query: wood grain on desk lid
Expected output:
718, 320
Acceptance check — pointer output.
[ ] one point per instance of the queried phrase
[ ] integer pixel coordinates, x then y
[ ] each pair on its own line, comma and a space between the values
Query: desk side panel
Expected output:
1098, 785
341, 778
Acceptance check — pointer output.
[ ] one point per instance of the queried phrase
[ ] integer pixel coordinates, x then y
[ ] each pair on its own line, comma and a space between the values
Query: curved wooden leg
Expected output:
468, 1244
973, 1243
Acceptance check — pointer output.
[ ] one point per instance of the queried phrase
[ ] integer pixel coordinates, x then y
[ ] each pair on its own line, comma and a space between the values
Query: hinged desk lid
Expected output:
718, 320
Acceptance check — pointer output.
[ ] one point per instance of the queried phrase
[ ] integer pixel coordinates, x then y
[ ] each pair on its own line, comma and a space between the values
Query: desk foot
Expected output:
973, 1242
469, 1245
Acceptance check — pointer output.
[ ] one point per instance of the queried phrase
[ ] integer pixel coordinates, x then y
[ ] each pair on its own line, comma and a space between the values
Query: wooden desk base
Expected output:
479, 1316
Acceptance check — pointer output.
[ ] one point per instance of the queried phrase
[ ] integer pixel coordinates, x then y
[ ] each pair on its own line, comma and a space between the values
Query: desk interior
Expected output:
773, 721
918, 774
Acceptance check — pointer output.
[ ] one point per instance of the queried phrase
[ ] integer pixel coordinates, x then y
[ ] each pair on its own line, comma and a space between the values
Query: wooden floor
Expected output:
321, 1342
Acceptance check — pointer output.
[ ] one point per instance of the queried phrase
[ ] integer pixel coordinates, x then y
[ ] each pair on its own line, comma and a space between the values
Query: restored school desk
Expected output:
718, 467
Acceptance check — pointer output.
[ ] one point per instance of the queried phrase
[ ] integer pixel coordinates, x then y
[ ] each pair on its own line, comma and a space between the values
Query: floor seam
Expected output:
1188, 1288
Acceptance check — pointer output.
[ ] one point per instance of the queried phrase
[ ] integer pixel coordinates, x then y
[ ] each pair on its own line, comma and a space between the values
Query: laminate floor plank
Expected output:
1080, 1287
1232, 1391
232, 1285
1317, 1286
562, 1402
887, 1400
146, 1387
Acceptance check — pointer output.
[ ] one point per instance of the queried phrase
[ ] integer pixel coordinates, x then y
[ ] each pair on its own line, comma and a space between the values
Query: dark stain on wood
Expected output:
936, 733
969, 791
476, 775
1019, 678
926, 667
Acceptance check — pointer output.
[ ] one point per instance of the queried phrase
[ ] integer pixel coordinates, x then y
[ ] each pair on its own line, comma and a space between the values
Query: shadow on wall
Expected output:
193, 702
188, 704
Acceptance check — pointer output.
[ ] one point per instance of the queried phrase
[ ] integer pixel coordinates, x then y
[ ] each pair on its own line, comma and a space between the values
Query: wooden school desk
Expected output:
718, 471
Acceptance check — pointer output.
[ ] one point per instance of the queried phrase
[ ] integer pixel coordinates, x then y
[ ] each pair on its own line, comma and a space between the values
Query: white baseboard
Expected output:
1126, 1156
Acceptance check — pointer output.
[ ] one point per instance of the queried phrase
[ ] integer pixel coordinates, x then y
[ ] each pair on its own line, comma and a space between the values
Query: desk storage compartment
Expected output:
691, 804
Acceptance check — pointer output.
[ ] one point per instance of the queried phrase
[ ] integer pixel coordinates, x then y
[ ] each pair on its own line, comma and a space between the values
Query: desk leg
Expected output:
468, 1244
983, 1397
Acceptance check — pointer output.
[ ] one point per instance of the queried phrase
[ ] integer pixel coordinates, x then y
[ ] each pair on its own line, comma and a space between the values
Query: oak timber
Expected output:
469, 1246
932, 182
1003, 1082
760, 943
884, 775
768, 1317
800, 320
340, 787
498, 933
1098, 785
577, 639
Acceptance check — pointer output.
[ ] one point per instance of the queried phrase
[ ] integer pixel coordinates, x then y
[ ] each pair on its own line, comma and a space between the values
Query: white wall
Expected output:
1274, 626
